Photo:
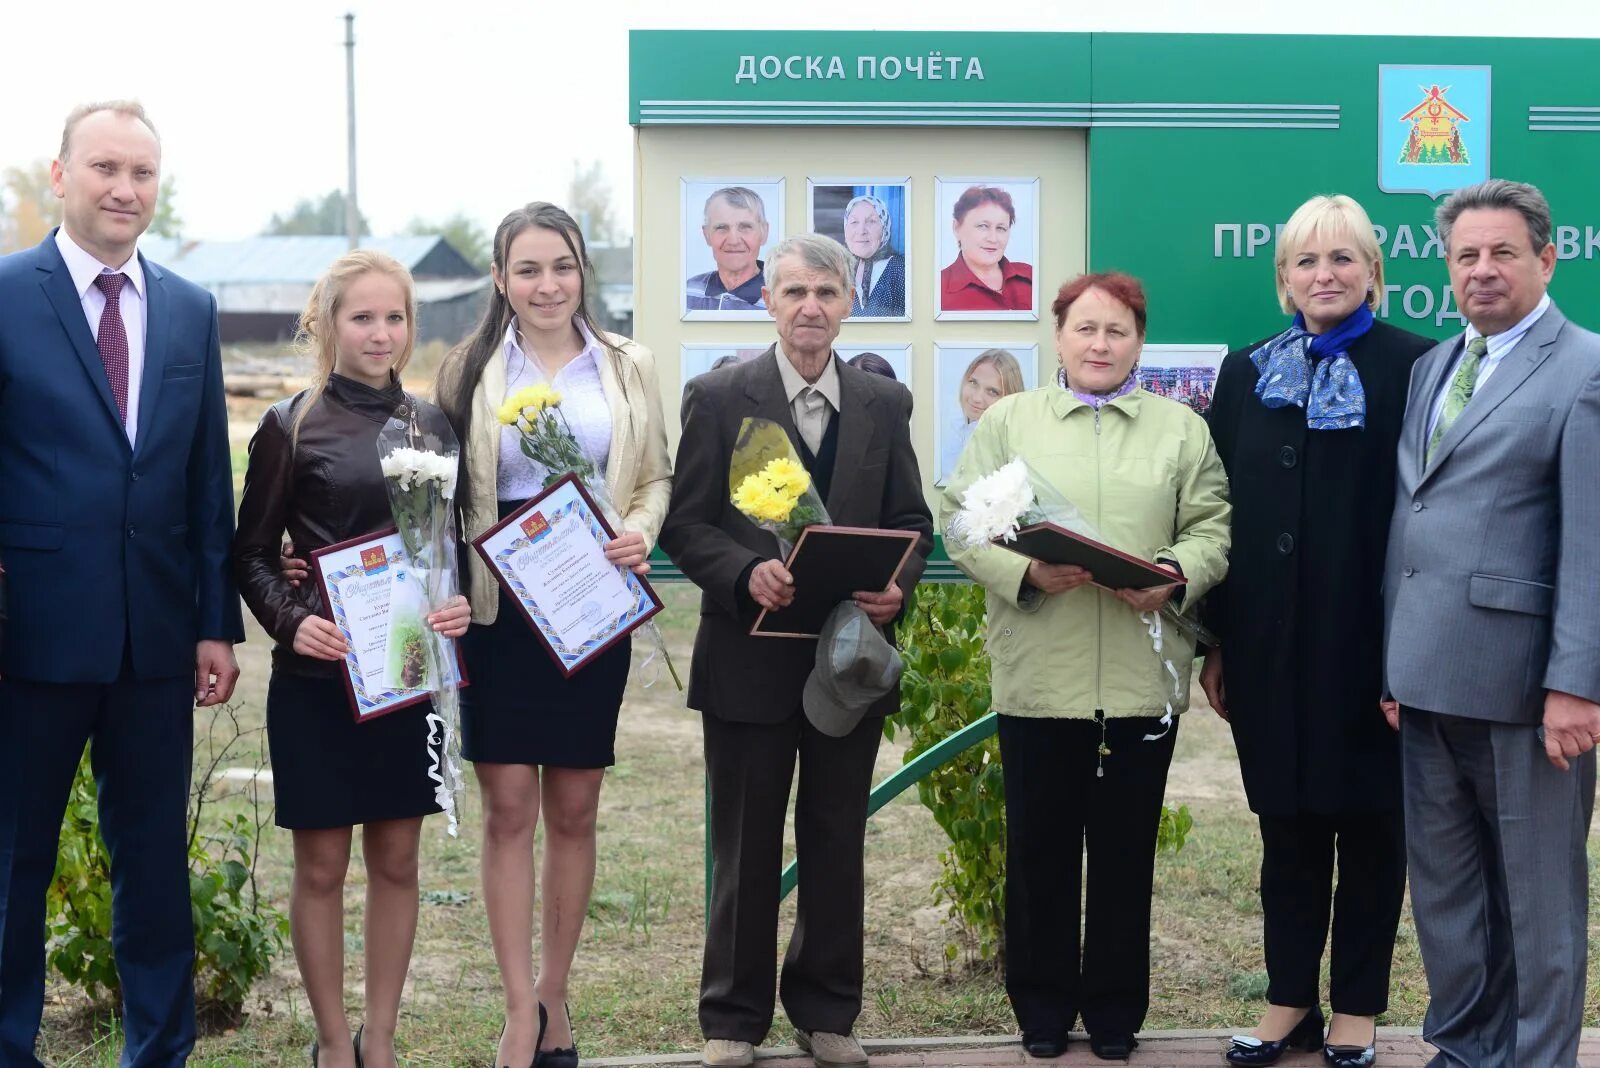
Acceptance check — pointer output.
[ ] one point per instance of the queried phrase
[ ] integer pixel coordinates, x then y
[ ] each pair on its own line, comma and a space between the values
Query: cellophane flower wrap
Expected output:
770, 486
547, 439
419, 454
997, 505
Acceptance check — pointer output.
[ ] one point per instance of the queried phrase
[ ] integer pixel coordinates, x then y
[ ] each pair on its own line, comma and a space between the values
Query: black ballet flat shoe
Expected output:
1351, 1056
313, 1053
556, 1058
1113, 1047
1045, 1044
1306, 1035
356, 1042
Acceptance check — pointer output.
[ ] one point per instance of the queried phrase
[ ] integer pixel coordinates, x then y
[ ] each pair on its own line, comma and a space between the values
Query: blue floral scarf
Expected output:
1314, 372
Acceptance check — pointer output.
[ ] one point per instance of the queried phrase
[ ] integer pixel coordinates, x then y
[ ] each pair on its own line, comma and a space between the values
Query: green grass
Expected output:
636, 976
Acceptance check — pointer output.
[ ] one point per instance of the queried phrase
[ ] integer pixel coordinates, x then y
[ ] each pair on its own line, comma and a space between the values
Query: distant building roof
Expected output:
296, 259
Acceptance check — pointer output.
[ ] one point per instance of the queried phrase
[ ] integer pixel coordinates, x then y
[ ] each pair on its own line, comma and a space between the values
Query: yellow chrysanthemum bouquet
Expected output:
547, 439
770, 486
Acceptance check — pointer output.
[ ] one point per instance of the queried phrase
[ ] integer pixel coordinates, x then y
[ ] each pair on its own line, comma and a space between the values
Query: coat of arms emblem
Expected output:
1433, 128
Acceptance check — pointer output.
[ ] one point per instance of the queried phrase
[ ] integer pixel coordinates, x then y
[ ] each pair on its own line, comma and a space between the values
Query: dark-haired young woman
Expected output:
540, 741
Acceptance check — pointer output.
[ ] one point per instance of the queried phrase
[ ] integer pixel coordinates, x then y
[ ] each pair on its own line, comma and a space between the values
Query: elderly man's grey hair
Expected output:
1520, 197
737, 196
816, 251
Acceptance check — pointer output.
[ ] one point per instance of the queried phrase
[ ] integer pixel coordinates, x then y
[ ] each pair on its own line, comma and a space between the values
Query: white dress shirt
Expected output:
583, 403
1499, 345
84, 269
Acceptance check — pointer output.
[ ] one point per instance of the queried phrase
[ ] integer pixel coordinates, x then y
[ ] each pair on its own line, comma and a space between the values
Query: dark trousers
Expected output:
1297, 862
750, 767
1056, 806
142, 747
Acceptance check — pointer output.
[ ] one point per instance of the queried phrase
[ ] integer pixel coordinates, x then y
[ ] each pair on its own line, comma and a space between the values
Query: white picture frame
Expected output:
1020, 246
826, 200
698, 266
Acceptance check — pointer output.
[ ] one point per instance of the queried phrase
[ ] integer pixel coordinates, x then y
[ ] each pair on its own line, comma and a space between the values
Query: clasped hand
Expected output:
1059, 578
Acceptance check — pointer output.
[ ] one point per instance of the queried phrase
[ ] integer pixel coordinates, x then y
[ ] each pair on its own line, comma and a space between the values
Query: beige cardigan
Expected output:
638, 471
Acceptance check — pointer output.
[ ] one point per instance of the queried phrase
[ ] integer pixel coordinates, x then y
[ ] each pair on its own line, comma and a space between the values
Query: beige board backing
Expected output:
665, 155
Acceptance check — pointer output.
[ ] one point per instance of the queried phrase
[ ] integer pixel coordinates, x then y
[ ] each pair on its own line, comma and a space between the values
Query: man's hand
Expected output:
215, 672
1056, 578
320, 639
1211, 683
1391, 712
1571, 727
1149, 600
294, 569
628, 551
771, 585
881, 608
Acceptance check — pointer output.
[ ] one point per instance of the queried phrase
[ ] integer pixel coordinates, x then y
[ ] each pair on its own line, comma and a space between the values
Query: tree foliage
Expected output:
313, 216
28, 209
589, 202
466, 236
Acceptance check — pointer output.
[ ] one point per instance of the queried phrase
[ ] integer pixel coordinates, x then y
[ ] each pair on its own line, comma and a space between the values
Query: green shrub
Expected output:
237, 934
946, 687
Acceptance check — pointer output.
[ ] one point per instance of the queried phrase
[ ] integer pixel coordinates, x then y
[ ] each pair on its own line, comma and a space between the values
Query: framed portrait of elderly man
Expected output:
988, 243
968, 379
868, 217
890, 361
728, 224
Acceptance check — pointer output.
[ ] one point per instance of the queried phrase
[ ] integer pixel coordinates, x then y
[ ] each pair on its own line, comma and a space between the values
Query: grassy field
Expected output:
635, 981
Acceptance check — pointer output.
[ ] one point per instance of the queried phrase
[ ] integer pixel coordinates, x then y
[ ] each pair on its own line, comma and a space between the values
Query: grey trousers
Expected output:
1495, 838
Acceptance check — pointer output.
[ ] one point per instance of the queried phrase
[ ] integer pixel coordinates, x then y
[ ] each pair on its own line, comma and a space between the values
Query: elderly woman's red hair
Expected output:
1124, 288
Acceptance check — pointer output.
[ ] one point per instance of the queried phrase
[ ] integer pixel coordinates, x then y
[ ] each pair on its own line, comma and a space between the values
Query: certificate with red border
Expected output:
358, 579
550, 557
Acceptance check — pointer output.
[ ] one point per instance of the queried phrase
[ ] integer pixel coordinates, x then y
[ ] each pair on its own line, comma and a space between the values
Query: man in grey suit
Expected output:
1493, 643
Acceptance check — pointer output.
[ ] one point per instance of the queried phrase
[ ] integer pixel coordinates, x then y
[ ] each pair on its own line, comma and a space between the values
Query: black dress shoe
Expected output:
1113, 1047
556, 1058
1045, 1044
1306, 1035
356, 1042
1351, 1056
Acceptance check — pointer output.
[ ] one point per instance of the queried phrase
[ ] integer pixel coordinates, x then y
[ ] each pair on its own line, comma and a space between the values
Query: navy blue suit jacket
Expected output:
108, 545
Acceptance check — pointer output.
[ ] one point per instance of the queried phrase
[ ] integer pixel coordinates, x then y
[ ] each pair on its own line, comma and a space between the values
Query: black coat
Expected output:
1300, 617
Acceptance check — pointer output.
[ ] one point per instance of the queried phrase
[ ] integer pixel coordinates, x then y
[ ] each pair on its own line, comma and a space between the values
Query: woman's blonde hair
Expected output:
1005, 365
1332, 218
315, 334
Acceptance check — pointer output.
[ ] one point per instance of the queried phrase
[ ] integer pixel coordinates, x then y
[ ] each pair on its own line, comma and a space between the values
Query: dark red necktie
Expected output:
113, 340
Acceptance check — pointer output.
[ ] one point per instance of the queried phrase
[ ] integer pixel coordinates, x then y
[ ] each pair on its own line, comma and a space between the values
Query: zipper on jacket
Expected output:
1099, 639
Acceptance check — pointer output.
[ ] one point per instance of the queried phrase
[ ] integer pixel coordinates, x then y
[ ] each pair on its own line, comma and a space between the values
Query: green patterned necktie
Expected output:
1461, 387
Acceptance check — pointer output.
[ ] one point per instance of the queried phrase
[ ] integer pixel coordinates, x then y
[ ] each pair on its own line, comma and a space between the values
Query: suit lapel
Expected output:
158, 310
1514, 369
68, 306
764, 386
855, 431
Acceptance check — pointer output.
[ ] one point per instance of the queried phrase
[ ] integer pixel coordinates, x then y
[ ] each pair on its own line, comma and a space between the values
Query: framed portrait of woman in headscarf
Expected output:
868, 217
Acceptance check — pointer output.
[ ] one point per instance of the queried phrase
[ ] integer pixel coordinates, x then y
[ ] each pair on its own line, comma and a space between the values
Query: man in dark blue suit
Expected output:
116, 515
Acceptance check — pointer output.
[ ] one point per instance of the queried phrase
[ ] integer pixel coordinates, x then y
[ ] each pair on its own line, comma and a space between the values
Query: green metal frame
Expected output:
974, 733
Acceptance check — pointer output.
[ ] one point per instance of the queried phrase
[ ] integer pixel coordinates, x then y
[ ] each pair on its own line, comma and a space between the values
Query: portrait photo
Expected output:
967, 380
728, 224
1186, 373
868, 217
890, 361
695, 360
988, 242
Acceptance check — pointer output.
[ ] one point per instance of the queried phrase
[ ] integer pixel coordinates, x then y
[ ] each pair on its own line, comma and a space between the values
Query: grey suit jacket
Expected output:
1490, 586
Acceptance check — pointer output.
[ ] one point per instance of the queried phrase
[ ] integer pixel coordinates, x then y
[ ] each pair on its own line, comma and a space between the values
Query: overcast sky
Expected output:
480, 105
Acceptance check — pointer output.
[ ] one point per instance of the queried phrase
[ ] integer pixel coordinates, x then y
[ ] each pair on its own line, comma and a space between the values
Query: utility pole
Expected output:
352, 214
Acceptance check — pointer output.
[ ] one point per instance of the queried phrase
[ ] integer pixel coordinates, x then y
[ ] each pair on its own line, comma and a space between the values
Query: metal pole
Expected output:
352, 214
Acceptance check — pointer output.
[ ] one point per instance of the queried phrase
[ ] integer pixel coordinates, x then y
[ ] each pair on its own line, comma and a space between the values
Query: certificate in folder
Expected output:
829, 564
1112, 569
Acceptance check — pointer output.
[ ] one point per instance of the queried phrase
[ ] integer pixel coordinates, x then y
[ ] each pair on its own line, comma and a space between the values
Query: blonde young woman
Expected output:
314, 474
540, 742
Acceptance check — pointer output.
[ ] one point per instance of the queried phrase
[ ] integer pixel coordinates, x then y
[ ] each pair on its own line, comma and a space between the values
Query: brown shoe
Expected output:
832, 1051
728, 1053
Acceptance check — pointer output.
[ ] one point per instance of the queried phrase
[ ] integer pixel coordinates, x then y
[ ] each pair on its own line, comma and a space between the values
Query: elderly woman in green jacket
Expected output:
1080, 689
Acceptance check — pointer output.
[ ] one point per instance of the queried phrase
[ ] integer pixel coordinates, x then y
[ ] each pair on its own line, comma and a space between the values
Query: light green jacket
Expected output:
1144, 473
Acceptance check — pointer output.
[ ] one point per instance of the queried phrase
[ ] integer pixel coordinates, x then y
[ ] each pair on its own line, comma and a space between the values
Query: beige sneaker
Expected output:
832, 1051
729, 1053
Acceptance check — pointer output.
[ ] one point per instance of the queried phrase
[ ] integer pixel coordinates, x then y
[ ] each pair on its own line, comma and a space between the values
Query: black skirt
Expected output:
330, 771
519, 709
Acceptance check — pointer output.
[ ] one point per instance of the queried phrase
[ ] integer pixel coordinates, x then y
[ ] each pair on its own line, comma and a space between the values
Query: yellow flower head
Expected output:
787, 476
757, 498
528, 403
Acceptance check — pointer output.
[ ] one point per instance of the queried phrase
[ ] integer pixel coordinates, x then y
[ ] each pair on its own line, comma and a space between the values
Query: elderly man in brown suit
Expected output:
853, 432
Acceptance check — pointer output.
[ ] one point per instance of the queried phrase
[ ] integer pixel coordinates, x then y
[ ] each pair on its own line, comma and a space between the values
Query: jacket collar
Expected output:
364, 400
1064, 403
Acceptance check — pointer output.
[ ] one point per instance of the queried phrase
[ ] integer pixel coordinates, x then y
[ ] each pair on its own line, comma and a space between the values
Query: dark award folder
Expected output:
829, 564
1112, 569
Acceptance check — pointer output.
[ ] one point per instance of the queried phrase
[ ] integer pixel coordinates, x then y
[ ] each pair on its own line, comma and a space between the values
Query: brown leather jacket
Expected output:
325, 489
